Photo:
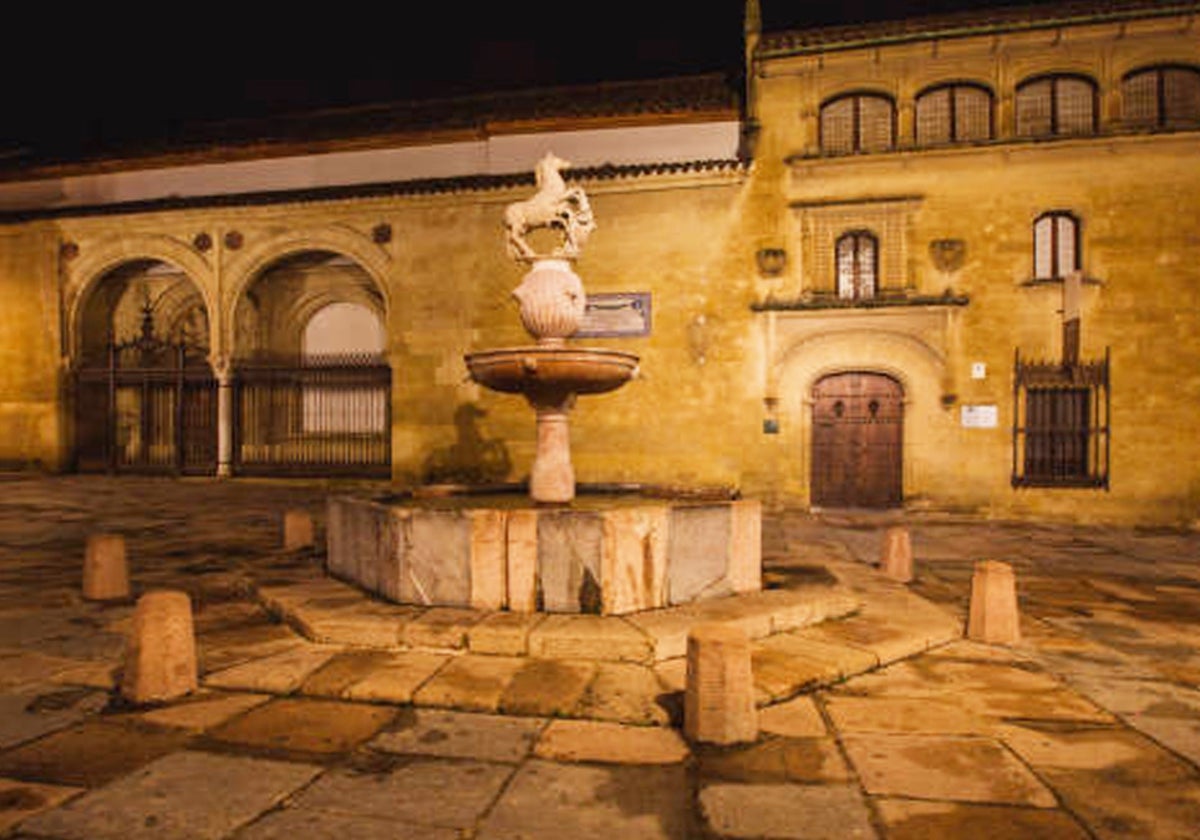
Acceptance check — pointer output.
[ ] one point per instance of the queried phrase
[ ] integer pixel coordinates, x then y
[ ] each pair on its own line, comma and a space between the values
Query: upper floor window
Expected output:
858, 122
857, 265
1161, 97
1055, 245
954, 113
1051, 106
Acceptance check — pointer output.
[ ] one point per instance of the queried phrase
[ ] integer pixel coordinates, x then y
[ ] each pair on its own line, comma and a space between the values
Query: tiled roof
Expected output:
282, 134
960, 24
420, 186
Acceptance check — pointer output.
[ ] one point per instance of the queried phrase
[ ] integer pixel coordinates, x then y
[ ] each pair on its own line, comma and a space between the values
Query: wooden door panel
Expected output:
857, 437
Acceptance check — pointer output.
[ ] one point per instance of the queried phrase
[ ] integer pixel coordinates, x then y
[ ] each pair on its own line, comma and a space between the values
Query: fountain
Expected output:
552, 304
554, 552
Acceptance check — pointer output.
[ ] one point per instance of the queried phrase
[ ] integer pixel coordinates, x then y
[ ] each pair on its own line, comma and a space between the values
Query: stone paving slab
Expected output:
470, 683
797, 718
610, 743
446, 734
185, 796
430, 792
787, 812
776, 760
21, 800
310, 824
548, 687
396, 678
964, 769
91, 753
281, 673
203, 711
308, 726
907, 819
550, 801
32, 713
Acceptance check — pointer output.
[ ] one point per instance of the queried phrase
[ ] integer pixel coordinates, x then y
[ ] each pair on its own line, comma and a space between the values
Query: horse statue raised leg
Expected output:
553, 205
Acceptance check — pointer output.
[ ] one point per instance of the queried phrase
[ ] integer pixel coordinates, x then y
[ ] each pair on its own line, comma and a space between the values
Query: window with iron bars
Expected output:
858, 122
1055, 245
953, 113
1060, 424
1162, 97
1056, 106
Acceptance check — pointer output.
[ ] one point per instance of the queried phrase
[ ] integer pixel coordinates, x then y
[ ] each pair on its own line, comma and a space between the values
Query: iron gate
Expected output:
152, 408
320, 415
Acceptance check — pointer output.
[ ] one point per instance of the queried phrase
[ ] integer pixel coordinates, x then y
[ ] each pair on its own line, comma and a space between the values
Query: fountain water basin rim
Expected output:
576, 370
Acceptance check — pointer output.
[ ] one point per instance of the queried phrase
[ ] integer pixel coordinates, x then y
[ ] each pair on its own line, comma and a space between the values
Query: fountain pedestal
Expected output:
552, 477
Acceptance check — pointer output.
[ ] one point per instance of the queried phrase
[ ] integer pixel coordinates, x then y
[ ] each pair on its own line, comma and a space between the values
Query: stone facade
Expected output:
740, 259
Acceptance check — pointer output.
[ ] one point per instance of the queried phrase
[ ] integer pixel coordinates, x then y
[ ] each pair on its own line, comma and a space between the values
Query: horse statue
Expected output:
554, 205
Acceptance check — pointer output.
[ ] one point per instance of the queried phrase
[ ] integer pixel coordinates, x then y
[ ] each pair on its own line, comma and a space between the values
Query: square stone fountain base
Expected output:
606, 558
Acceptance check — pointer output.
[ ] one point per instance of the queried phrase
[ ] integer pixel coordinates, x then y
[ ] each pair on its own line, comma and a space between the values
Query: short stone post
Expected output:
719, 699
160, 660
994, 618
297, 530
105, 571
897, 561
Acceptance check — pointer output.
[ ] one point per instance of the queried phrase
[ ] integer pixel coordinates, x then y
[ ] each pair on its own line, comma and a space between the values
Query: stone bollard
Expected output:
160, 660
897, 560
719, 698
105, 571
994, 618
297, 530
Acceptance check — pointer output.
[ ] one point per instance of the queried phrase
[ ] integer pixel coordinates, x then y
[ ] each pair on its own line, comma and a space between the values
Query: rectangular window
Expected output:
1061, 425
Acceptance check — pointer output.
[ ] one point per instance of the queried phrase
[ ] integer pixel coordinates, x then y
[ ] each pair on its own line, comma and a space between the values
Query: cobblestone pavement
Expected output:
1089, 728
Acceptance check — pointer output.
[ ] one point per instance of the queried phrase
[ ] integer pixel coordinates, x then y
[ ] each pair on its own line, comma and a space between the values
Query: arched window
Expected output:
1161, 97
858, 122
1056, 106
954, 113
857, 265
1055, 245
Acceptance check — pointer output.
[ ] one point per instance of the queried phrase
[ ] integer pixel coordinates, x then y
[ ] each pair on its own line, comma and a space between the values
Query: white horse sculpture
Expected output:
553, 205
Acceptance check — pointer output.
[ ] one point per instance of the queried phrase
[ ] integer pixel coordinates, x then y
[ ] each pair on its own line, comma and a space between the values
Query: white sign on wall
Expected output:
980, 416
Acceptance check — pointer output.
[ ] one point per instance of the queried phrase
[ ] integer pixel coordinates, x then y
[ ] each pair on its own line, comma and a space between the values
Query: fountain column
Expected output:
552, 477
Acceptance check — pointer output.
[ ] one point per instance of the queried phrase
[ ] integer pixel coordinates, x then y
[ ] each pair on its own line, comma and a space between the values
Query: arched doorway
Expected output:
144, 394
857, 441
311, 385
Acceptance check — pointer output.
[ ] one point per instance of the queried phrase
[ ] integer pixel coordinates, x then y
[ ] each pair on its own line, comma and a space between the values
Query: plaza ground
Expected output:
880, 723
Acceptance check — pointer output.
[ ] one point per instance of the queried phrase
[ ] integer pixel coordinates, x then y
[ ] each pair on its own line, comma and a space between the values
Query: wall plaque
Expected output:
615, 314
980, 417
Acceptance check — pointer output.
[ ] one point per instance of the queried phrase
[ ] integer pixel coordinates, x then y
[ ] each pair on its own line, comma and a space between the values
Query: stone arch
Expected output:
95, 263
919, 368
345, 241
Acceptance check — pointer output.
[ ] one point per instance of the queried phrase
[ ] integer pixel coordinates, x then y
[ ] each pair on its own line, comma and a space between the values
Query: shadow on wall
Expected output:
471, 459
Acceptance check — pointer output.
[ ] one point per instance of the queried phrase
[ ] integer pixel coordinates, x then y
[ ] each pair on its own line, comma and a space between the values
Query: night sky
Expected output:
107, 77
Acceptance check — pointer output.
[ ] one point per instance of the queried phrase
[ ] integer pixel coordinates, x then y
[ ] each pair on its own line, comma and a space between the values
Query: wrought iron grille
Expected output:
1061, 424
320, 415
151, 408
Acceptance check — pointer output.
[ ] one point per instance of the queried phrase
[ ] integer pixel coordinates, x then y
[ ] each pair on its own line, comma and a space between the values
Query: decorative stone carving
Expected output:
552, 301
554, 205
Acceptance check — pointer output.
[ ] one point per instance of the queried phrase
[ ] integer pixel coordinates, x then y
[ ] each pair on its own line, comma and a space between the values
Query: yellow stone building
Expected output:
946, 263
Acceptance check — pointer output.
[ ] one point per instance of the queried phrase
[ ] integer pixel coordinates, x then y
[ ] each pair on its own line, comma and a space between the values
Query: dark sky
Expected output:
107, 76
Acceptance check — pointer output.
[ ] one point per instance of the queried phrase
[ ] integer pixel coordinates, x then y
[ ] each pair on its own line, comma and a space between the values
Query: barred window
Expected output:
857, 265
1061, 424
1056, 106
1161, 97
1055, 245
955, 113
858, 122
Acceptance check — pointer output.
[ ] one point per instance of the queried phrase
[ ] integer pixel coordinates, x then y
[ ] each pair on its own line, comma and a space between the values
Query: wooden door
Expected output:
857, 441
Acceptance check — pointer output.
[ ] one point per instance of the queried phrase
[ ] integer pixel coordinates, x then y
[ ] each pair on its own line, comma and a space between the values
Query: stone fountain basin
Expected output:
609, 555
526, 370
